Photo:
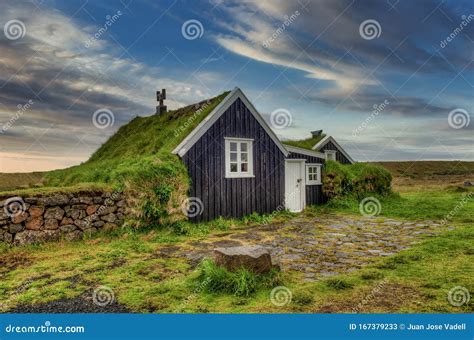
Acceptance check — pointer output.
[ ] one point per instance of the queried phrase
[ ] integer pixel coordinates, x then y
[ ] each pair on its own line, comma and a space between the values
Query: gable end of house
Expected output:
218, 111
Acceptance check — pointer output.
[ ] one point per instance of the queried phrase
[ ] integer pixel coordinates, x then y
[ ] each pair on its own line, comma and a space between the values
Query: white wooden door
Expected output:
294, 185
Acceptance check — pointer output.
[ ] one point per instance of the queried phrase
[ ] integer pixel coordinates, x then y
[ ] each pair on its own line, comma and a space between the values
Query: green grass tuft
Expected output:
339, 284
371, 275
216, 279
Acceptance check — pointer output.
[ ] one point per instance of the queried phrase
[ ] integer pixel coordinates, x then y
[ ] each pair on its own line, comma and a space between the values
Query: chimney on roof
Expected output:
160, 97
316, 133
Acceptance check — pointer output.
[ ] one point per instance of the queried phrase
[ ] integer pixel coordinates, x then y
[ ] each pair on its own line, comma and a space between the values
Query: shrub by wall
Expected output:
337, 179
355, 179
157, 186
370, 178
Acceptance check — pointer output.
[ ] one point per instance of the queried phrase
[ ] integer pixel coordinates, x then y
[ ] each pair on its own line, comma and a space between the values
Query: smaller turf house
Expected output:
237, 165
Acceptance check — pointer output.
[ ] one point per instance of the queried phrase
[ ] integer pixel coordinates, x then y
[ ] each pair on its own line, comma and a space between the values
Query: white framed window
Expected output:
313, 174
238, 157
330, 155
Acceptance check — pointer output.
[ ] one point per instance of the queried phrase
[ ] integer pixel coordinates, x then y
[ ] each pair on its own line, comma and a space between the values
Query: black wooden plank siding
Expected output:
314, 193
339, 155
235, 197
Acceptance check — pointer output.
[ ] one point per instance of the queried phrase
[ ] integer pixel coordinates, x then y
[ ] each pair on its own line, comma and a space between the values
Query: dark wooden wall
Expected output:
339, 155
314, 193
236, 197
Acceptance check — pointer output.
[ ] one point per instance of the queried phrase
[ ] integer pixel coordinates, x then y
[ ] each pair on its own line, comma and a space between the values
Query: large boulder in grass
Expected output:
255, 259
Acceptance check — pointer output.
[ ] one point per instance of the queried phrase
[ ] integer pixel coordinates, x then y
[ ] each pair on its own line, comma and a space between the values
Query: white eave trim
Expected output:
218, 111
302, 151
327, 139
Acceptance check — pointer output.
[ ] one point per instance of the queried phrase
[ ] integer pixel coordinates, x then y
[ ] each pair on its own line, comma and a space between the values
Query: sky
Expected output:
390, 80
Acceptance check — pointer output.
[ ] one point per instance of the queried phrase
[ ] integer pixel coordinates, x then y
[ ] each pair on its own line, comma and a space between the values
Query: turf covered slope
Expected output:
150, 135
142, 142
138, 161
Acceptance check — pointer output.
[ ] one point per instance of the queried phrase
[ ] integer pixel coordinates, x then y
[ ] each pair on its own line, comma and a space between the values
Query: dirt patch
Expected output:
11, 261
387, 298
226, 243
165, 252
247, 236
169, 250
81, 304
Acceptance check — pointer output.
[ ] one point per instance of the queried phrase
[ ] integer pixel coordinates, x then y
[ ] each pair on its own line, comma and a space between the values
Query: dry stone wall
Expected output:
70, 216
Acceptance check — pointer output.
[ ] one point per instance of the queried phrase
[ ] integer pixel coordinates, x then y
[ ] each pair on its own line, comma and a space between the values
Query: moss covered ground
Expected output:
148, 273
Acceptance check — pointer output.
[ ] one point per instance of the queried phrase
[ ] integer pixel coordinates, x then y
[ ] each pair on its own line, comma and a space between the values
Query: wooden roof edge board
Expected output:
303, 151
328, 139
218, 111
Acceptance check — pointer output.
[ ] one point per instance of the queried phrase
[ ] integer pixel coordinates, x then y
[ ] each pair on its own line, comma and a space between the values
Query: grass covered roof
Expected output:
307, 143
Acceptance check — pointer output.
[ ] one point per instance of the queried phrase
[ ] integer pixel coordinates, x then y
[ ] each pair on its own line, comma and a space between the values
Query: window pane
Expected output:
244, 157
244, 167
311, 177
233, 146
233, 167
233, 157
243, 146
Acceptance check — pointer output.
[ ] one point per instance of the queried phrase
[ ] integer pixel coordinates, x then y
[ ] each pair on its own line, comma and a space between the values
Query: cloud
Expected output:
365, 101
68, 78
323, 42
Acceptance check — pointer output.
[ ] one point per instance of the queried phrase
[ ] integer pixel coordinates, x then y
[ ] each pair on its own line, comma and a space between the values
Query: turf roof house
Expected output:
238, 165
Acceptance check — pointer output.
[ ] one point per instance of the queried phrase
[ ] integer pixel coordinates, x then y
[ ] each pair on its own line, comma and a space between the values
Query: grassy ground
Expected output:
146, 280
10, 181
435, 205
429, 175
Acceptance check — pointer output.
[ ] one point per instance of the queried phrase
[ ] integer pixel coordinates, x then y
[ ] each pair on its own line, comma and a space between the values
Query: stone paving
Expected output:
320, 247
